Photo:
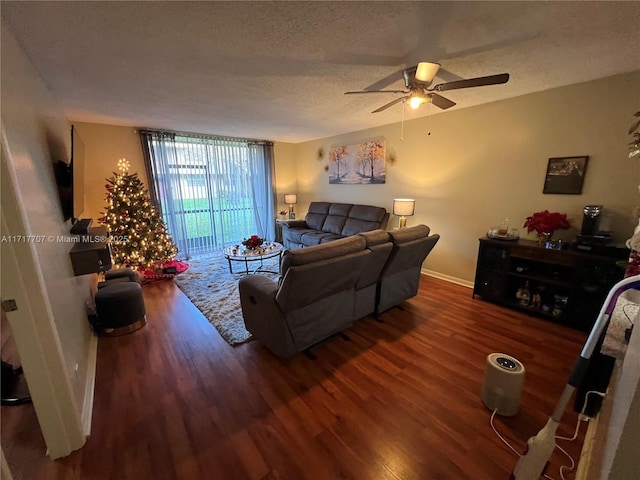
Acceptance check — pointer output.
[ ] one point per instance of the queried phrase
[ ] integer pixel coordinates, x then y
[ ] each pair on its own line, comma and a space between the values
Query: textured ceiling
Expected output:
278, 70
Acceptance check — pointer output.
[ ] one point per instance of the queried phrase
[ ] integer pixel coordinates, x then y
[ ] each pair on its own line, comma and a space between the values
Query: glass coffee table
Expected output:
241, 254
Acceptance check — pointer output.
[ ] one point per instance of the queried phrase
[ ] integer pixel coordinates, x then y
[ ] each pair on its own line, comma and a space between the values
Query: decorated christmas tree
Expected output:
139, 236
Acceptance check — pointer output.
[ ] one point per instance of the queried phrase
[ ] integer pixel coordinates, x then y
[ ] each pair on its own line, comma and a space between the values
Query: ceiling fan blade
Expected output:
441, 102
634, 126
375, 91
472, 82
386, 81
384, 107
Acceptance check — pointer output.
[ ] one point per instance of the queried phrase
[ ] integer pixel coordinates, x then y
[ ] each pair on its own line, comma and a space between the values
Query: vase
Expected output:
544, 237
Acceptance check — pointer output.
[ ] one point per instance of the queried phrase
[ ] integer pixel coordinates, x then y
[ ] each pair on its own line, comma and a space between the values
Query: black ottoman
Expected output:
120, 308
112, 281
125, 273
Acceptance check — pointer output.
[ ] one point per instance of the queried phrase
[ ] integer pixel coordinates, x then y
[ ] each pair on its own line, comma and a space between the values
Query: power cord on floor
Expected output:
498, 434
581, 418
507, 443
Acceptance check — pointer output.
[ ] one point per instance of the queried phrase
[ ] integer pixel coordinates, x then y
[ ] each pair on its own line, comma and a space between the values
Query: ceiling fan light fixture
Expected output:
426, 71
415, 102
418, 89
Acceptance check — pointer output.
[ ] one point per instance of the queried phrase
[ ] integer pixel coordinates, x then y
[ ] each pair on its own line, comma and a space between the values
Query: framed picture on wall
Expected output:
565, 175
359, 164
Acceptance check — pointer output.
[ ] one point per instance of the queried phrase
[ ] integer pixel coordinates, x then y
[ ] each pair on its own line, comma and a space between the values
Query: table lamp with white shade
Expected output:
403, 207
291, 199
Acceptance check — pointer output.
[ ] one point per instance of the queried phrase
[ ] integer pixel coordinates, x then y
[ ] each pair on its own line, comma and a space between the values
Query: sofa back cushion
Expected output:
375, 237
317, 214
324, 251
338, 213
403, 235
312, 273
410, 248
379, 244
363, 218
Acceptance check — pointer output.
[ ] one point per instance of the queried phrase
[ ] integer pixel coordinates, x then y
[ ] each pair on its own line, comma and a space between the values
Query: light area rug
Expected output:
214, 291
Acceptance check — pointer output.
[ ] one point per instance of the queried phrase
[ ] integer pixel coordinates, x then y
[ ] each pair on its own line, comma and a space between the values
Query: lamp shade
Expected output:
404, 206
290, 198
426, 71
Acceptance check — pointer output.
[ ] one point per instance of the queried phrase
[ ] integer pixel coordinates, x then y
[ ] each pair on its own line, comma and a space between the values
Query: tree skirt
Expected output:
161, 271
214, 291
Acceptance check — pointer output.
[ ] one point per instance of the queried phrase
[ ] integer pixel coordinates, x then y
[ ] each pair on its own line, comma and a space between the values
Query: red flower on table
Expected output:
546, 222
252, 242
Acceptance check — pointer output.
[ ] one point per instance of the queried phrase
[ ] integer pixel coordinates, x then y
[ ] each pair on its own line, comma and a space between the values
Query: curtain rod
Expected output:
250, 141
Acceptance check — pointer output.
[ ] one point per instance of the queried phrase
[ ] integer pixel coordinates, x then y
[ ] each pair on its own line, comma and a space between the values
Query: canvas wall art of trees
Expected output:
363, 163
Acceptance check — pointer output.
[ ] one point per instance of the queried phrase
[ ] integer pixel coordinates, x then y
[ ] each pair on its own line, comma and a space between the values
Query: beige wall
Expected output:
483, 163
104, 145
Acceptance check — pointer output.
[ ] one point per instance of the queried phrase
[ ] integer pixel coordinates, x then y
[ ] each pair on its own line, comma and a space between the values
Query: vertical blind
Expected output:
212, 191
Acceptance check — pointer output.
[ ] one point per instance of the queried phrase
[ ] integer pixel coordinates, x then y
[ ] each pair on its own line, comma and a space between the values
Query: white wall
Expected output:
483, 163
35, 132
620, 460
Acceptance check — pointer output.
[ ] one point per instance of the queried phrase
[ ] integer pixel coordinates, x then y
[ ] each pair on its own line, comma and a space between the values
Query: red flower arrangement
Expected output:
546, 222
252, 242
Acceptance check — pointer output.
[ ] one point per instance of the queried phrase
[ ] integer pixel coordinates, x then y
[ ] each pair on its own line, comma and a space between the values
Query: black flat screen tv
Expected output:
70, 179
77, 164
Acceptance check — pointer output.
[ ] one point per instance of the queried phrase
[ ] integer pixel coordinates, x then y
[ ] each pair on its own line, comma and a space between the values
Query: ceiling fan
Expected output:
418, 79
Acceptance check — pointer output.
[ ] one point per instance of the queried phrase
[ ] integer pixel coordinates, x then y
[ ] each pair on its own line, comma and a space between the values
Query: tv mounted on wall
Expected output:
77, 164
70, 179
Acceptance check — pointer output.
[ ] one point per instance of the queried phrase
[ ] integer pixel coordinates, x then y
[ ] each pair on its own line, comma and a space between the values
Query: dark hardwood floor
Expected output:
400, 400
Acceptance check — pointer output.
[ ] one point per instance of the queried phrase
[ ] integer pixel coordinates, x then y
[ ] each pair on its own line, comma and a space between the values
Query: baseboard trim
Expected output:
89, 387
447, 278
585, 462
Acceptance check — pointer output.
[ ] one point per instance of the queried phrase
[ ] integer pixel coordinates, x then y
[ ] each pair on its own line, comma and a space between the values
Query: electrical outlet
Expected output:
9, 305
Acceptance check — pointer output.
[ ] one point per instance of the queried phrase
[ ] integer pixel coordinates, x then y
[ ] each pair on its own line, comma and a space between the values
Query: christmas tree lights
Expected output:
139, 235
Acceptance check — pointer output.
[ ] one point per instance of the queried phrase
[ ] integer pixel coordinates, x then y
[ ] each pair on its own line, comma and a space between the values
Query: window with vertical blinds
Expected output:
212, 191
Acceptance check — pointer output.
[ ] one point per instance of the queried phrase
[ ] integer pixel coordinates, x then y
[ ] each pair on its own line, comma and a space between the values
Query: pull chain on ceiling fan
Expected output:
418, 79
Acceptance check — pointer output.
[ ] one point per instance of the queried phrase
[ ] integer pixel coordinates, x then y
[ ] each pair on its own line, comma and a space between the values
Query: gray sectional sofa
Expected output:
324, 288
326, 222
400, 275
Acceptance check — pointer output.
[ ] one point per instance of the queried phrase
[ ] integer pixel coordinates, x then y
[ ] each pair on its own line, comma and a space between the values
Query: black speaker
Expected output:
90, 258
81, 227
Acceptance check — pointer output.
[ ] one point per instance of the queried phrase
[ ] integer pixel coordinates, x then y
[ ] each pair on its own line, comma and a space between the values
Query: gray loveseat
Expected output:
326, 222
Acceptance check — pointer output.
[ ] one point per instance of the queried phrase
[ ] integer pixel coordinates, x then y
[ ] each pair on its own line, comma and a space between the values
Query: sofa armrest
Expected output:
294, 224
262, 315
257, 289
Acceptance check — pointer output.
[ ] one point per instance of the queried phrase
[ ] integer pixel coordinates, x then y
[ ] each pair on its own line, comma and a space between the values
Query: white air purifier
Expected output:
503, 381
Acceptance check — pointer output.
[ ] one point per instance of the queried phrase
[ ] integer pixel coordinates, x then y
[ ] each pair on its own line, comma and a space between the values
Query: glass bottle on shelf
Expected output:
560, 304
503, 228
536, 300
523, 295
